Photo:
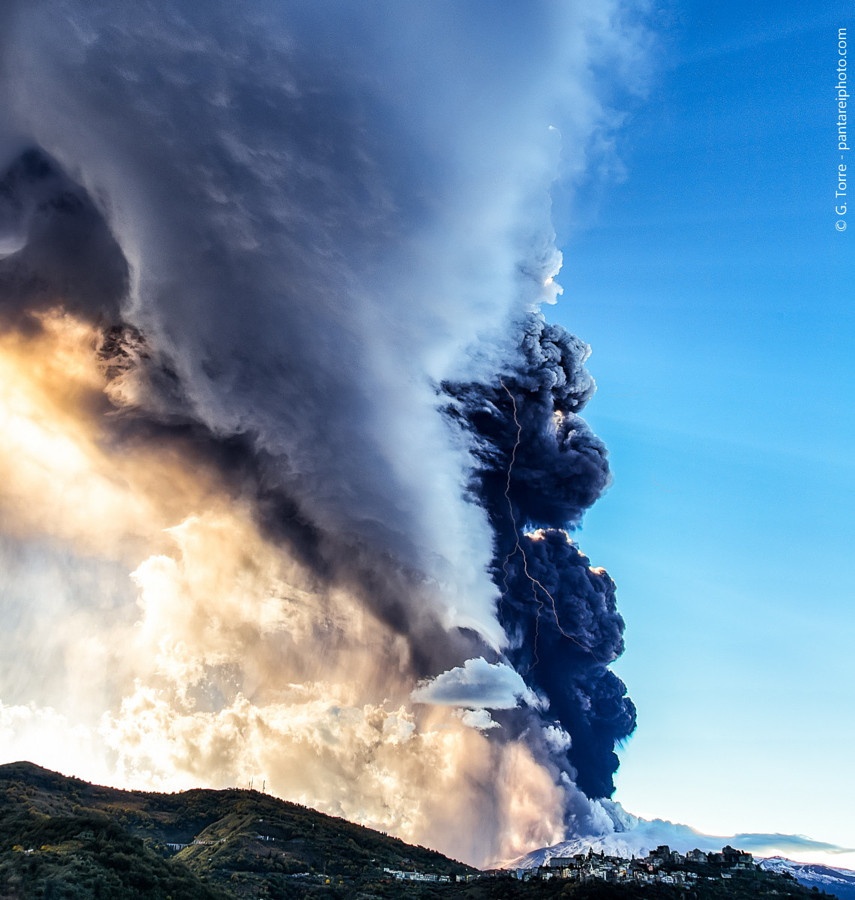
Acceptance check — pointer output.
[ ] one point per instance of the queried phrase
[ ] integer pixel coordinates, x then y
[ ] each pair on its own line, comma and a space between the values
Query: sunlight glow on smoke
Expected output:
263, 275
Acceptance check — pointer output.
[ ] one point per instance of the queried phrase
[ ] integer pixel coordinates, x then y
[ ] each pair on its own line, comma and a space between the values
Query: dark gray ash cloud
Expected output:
539, 467
313, 239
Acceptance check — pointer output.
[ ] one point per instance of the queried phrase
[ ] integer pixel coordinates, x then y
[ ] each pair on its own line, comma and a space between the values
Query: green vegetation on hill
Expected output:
86, 856
62, 838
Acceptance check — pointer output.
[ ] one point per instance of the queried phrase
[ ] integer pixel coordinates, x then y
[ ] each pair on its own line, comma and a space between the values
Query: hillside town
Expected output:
663, 866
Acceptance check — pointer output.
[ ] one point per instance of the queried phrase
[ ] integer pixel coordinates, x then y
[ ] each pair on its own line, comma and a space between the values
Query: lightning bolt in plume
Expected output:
535, 583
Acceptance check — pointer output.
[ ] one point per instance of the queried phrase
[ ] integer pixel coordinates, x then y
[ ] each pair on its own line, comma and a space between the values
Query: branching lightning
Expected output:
535, 583
517, 545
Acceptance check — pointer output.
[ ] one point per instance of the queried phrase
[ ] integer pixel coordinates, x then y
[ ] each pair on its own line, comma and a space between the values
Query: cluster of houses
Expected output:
663, 865
399, 875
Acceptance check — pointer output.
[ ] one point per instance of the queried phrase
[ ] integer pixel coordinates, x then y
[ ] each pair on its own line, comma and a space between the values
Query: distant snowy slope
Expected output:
626, 835
623, 844
840, 882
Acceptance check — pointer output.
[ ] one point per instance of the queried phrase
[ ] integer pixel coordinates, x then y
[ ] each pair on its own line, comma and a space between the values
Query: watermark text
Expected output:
841, 191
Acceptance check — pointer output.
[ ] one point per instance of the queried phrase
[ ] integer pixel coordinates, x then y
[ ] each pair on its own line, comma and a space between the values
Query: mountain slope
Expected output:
633, 836
840, 882
61, 831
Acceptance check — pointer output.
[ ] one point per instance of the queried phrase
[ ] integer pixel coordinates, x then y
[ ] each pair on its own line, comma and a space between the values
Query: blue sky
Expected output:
717, 297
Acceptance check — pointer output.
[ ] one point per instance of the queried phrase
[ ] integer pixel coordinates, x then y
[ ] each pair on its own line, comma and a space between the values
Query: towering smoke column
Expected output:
289, 451
539, 468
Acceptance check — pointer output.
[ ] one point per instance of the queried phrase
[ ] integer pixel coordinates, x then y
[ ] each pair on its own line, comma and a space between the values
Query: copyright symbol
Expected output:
840, 225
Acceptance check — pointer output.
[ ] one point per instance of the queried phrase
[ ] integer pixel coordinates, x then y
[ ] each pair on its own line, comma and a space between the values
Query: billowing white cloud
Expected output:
477, 684
477, 718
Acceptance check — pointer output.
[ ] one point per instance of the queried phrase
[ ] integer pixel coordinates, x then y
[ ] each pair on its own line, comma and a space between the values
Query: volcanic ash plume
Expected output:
288, 453
538, 468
